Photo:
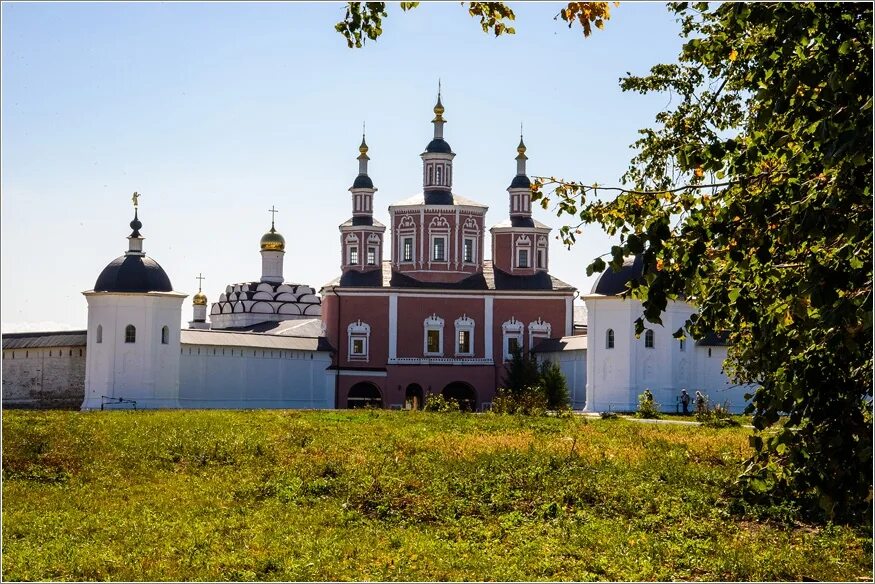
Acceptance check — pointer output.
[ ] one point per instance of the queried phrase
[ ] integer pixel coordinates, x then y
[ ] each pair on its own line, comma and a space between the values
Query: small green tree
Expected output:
522, 372
555, 386
646, 407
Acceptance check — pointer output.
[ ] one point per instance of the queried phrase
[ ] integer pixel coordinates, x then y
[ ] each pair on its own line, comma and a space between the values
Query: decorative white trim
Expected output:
393, 326
433, 323
511, 329
538, 330
487, 326
358, 331
464, 324
441, 361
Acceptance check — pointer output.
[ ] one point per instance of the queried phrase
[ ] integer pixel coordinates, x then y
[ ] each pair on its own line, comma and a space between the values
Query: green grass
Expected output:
375, 495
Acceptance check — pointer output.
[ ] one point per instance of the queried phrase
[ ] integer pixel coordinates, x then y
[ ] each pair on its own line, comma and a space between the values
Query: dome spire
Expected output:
363, 154
200, 298
439, 120
272, 241
135, 239
521, 155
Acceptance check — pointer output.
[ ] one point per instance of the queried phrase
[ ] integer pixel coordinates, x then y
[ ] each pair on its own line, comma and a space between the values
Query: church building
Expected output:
438, 317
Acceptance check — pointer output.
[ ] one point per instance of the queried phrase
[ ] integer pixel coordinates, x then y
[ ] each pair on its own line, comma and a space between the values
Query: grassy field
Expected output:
376, 495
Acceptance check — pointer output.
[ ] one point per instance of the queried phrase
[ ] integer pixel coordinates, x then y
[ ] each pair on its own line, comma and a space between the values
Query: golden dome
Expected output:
521, 148
272, 241
200, 299
364, 147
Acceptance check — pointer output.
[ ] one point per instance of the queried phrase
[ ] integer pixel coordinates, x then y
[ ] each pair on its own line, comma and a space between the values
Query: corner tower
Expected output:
437, 162
133, 332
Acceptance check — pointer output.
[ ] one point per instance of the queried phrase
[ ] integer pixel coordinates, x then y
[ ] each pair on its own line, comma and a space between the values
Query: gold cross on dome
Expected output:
273, 211
200, 278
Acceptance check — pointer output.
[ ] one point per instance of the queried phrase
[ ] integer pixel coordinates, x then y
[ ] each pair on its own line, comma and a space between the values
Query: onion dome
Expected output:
273, 241
200, 299
611, 283
438, 144
133, 273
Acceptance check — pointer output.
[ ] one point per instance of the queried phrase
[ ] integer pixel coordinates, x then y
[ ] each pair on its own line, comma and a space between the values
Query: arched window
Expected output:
165, 335
130, 334
609, 339
99, 333
648, 339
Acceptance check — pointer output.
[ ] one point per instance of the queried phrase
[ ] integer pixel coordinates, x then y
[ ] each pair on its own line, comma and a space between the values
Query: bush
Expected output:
530, 401
716, 417
436, 402
555, 387
646, 407
609, 416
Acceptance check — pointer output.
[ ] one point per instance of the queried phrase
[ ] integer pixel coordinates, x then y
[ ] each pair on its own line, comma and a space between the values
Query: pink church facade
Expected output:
438, 318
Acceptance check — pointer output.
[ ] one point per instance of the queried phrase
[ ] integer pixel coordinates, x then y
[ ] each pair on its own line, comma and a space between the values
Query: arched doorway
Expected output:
463, 393
364, 395
413, 397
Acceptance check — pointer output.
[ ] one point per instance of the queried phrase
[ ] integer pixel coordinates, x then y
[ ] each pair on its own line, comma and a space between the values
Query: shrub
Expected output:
646, 406
436, 402
555, 387
716, 417
530, 401
522, 372
609, 416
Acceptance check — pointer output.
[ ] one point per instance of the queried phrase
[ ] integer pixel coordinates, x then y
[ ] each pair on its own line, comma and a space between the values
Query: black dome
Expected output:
363, 181
612, 283
520, 181
133, 273
438, 145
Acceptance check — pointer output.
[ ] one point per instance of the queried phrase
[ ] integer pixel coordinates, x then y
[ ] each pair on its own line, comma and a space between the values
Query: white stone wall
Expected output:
50, 377
615, 377
147, 370
239, 377
573, 366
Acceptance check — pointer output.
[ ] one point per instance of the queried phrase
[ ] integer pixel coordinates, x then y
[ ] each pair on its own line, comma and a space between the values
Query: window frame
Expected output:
609, 339
99, 334
165, 335
445, 256
372, 255
648, 339
358, 331
130, 334
353, 254
464, 325
512, 329
433, 324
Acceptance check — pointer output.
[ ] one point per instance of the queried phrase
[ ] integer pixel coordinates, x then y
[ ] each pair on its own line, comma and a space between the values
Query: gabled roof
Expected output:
419, 199
44, 339
252, 340
570, 343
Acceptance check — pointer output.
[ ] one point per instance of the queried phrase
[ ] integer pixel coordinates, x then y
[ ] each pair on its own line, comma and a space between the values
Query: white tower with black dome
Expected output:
133, 342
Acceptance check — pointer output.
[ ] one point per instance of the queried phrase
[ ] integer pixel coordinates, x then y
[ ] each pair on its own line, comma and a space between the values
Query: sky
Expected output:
217, 111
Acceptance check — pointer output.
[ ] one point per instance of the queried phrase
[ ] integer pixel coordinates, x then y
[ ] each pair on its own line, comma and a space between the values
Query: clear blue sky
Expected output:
215, 112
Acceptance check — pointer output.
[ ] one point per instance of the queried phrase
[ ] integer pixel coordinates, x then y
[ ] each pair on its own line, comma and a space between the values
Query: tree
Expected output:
770, 232
555, 386
522, 372
364, 20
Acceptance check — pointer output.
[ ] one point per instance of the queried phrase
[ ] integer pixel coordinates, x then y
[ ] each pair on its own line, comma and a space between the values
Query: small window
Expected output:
353, 255
709, 351
408, 249
372, 256
683, 345
437, 175
648, 339
523, 258
165, 335
540, 259
439, 249
468, 250
99, 333
609, 339
464, 342
433, 341
130, 334
429, 181
513, 344
358, 346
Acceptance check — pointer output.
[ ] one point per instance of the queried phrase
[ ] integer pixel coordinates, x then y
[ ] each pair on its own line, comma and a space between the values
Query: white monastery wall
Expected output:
573, 366
45, 377
240, 377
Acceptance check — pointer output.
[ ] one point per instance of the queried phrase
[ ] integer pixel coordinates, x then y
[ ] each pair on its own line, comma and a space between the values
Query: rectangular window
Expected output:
353, 255
439, 250
358, 346
408, 249
433, 339
468, 250
513, 344
523, 258
540, 259
464, 342
372, 256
